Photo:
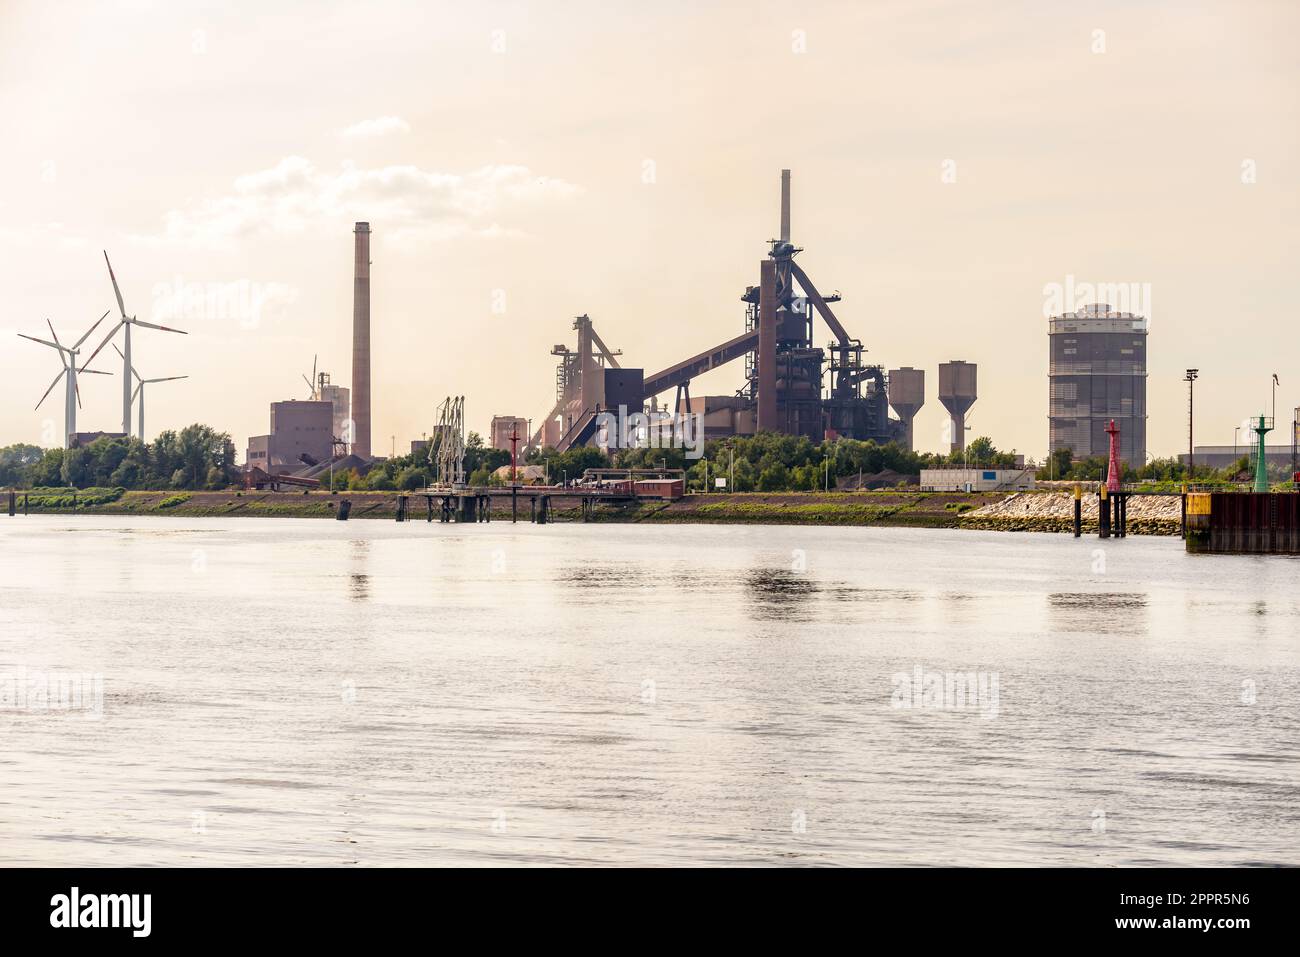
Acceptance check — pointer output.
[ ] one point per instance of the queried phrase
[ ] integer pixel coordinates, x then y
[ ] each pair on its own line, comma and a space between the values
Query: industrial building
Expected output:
505, 426
1223, 456
78, 439
1097, 372
301, 435
976, 480
334, 424
790, 384
339, 399
324, 390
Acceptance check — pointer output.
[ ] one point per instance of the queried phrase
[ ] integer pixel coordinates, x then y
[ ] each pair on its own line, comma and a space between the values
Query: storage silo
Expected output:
957, 393
906, 390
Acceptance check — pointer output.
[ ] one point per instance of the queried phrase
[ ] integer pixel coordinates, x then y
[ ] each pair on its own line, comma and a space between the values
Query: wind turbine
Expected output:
68, 359
311, 383
126, 322
139, 390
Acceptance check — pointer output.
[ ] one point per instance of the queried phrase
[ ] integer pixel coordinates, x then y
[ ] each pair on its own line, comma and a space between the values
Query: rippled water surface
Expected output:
313, 692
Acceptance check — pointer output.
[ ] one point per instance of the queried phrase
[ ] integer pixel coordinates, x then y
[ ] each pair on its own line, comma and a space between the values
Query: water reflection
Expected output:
622, 575
780, 593
1098, 600
1116, 613
358, 577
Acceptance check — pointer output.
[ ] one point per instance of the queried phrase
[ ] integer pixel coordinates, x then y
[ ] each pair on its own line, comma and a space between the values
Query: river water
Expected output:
294, 691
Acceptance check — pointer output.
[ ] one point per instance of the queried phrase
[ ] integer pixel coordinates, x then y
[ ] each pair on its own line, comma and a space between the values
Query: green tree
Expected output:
410, 479
17, 463
774, 477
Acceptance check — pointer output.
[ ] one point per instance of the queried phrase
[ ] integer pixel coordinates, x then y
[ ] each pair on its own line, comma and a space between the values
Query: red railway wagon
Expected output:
660, 488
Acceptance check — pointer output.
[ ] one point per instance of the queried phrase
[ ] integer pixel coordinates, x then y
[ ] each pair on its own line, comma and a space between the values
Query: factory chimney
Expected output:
785, 205
361, 343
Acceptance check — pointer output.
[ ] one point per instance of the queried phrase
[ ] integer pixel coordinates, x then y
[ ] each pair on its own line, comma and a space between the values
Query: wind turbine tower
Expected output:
139, 391
125, 323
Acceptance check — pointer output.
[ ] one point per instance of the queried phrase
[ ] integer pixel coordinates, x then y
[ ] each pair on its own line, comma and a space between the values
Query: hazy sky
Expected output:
521, 163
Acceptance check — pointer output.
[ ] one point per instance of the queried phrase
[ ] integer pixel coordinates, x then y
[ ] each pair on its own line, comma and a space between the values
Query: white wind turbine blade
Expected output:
44, 342
137, 390
111, 333
117, 292
170, 378
91, 329
53, 335
62, 373
150, 325
310, 386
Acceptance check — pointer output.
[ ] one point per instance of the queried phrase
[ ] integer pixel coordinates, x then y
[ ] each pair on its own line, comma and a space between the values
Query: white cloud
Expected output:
380, 126
405, 201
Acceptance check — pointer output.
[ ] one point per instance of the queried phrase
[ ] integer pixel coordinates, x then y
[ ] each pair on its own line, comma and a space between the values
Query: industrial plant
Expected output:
789, 380
789, 384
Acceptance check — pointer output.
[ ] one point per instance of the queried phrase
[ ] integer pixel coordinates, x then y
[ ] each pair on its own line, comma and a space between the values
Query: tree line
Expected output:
199, 457
196, 457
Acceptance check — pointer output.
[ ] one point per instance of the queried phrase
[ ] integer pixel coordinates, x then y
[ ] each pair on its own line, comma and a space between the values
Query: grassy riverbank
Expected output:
996, 511
931, 510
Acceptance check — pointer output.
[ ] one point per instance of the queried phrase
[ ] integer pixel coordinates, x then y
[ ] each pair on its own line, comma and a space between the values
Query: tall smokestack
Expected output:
361, 343
785, 205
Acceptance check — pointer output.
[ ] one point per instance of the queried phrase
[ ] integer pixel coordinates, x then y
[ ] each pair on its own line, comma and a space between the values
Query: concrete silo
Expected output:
957, 393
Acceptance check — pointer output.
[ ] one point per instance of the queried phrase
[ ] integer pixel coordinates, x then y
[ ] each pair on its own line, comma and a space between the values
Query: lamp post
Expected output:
1234, 441
1190, 378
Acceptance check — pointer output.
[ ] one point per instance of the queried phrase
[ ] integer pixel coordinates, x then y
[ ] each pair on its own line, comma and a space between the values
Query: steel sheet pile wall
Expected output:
1244, 522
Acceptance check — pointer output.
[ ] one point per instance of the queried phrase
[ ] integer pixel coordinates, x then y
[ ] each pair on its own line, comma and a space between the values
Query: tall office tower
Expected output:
1097, 372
